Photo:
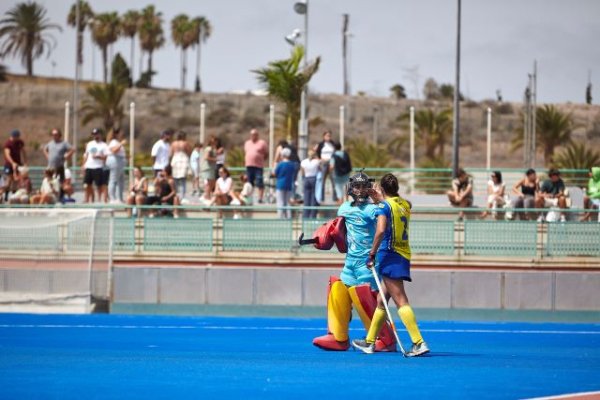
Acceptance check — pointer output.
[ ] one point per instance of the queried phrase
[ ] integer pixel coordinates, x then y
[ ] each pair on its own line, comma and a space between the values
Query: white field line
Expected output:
280, 328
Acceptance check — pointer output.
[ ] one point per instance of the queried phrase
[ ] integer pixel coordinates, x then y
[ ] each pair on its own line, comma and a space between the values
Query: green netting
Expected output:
78, 234
573, 239
169, 234
257, 234
308, 227
500, 238
431, 237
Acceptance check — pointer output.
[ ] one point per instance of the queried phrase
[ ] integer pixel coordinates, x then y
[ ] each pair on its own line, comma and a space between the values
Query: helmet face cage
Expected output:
359, 186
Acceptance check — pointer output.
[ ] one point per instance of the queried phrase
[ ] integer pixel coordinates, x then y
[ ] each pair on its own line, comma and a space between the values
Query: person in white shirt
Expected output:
161, 151
310, 168
222, 196
116, 165
496, 196
243, 198
195, 166
50, 189
93, 164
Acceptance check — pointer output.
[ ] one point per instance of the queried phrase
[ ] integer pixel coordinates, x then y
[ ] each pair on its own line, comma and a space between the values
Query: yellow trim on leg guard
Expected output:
376, 324
339, 309
361, 296
410, 322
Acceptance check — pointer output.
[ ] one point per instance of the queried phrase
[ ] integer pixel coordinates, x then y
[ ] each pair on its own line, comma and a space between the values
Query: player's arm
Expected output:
379, 231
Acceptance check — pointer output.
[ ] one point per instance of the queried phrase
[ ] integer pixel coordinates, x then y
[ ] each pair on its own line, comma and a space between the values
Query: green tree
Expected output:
130, 22
121, 74
285, 80
85, 16
151, 35
553, 129
577, 156
104, 104
184, 34
366, 154
432, 131
105, 31
203, 31
398, 91
24, 33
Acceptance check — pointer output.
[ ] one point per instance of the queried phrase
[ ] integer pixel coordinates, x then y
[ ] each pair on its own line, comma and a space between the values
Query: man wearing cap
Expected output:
552, 194
57, 151
161, 151
14, 156
93, 164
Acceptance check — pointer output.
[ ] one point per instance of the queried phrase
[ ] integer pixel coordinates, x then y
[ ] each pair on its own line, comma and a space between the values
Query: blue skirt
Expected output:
392, 265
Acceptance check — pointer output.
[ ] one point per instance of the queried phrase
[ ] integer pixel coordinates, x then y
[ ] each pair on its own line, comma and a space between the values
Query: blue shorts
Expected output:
392, 265
355, 272
255, 176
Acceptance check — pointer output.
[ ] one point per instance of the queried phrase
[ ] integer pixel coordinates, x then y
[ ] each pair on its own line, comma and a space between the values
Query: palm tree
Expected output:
432, 130
577, 156
105, 31
366, 154
130, 22
24, 32
85, 16
105, 104
398, 91
184, 34
203, 31
553, 129
151, 34
285, 80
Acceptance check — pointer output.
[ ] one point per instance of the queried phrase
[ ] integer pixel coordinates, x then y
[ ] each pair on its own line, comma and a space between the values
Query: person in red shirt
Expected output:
14, 156
256, 152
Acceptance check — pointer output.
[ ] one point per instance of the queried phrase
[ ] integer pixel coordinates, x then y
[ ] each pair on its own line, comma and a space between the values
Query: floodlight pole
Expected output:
67, 118
302, 8
342, 126
489, 139
76, 87
131, 140
456, 124
271, 134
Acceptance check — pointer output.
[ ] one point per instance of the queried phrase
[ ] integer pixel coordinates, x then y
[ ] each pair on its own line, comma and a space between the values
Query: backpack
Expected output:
342, 165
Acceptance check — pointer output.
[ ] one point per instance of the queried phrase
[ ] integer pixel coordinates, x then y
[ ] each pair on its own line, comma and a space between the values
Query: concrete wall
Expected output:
514, 290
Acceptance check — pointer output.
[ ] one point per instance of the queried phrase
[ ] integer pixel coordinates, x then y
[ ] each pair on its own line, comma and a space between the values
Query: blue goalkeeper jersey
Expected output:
360, 227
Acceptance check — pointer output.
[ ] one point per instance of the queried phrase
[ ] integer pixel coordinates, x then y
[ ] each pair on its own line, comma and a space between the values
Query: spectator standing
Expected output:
325, 150
180, 162
525, 191
461, 194
219, 155
138, 191
14, 156
207, 169
496, 191
115, 161
161, 151
50, 189
195, 166
592, 196
552, 194
310, 168
256, 152
340, 168
93, 164
284, 173
58, 152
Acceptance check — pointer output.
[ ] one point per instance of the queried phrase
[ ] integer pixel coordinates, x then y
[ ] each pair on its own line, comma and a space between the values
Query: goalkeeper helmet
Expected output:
359, 186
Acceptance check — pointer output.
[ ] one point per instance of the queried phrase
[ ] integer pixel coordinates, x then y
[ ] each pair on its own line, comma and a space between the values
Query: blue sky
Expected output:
500, 40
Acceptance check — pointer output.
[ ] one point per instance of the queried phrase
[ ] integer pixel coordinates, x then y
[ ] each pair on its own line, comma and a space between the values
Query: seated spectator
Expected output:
49, 191
165, 193
222, 195
496, 194
525, 191
243, 198
461, 194
138, 191
591, 200
552, 194
20, 188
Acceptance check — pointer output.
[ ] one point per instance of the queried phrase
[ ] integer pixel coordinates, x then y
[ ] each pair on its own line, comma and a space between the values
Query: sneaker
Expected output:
562, 218
540, 218
362, 345
417, 350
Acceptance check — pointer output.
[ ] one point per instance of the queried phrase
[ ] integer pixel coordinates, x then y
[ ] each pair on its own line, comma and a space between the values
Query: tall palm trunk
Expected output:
104, 61
131, 59
150, 66
183, 68
198, 83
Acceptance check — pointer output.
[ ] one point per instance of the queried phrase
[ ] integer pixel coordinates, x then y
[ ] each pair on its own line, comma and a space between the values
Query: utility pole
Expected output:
456, 124
345, 23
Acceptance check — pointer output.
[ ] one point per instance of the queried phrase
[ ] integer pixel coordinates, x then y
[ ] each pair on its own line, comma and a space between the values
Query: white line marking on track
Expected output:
282, 328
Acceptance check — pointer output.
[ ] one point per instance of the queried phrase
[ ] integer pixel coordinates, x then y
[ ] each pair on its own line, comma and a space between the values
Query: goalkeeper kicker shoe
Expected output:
364, 346
418, 350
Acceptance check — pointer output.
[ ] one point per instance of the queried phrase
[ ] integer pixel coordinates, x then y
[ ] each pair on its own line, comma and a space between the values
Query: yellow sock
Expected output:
410, 322
376, 324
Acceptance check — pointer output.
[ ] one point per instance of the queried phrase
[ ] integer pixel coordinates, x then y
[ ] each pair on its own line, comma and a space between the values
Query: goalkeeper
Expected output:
391, 248
355, 286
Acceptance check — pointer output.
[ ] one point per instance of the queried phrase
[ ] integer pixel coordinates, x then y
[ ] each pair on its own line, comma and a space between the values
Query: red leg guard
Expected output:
365, 302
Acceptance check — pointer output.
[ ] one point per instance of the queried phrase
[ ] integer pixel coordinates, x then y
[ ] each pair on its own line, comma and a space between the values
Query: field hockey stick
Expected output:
387, 309
302, 241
